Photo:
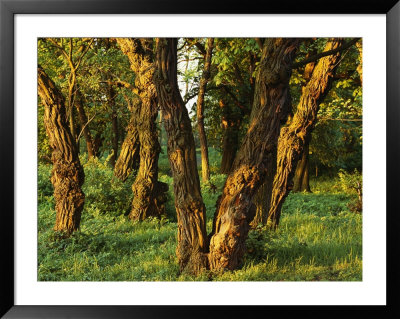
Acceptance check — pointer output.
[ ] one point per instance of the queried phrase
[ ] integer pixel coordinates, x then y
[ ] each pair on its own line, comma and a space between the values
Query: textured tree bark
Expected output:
301, 181
160, 127
271, 106
230, 142
129, 157
205, 169
67, 173
262, 200
85, 125
293, 137
192, 238
141, 57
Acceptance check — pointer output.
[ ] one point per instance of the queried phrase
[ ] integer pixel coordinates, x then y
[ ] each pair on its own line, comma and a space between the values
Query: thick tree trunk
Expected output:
230, 142
271, 106
141, 57
67, 174
293, 137
83, 120
129, 156
301, 181
262, 200
192, 238
160, 127
229, 148
205, 169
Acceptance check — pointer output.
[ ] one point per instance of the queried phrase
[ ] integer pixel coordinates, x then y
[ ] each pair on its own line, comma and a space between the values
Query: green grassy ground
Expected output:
319, 239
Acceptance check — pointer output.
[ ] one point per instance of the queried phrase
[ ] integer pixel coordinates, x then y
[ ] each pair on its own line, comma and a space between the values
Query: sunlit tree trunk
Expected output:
294, 137
67, 173
128, 158
141, 57
205, 169
192, 239
271, 106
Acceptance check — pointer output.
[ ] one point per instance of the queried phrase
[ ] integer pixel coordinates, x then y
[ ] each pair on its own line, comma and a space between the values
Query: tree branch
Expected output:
326, 53
54, 43
87, 123
83, 53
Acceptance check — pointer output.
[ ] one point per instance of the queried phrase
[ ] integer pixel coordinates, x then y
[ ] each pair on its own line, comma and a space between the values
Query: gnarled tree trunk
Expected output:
294, 137
271, 106
129, 156
67, 174
205, 169
301, 181
262, 200
192, 238
141, 57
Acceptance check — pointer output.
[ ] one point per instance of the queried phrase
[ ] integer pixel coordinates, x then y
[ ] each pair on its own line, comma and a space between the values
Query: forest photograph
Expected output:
199, 159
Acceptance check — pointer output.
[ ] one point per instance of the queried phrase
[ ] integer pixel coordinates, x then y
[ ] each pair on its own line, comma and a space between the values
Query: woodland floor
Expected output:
319, 239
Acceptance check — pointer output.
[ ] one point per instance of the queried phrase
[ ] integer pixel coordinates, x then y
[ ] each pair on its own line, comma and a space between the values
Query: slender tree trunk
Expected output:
97, 143
293, 137
205, 169
114, 116
67, 174
301, 181
71, 100
230, 141
192, 237
85, 125
271, 106
114, 121
141, 57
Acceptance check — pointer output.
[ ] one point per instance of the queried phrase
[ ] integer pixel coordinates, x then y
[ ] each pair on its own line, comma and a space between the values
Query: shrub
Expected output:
163, 163
45, 188
352, 183
104, 191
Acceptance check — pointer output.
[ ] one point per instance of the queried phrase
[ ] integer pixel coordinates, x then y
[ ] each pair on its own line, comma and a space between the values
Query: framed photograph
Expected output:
60, 59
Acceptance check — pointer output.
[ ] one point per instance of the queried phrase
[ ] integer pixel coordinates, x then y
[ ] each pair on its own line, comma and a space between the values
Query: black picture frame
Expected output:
8, 8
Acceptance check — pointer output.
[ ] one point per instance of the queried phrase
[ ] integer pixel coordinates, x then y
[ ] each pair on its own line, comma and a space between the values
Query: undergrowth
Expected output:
318, 239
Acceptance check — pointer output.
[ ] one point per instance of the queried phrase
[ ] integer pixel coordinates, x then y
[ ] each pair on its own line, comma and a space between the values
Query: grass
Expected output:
319, 239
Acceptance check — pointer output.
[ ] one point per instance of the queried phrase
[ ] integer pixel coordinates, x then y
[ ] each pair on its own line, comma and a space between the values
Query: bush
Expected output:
163, 163
104, 191
45, 188
352, 183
